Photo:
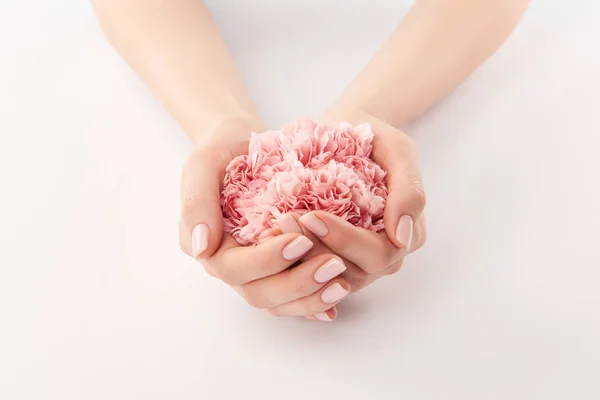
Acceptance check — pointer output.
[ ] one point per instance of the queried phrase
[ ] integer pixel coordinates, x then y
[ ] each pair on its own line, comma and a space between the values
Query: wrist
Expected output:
232, 128
357, 115
374, 107
353, 114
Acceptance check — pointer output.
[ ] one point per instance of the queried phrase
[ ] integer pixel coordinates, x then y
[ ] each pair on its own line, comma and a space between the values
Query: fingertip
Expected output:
332, 312
200, 237
316, 225
327, 218
288, 224
268, 234
297, 248
323, 316
335, 292
206, 240
404, 231
346, 285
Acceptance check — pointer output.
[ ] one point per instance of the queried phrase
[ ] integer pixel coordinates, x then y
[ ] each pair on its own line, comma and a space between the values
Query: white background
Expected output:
97, 302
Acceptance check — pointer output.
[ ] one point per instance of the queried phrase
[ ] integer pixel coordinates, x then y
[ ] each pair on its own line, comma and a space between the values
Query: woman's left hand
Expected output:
370, 255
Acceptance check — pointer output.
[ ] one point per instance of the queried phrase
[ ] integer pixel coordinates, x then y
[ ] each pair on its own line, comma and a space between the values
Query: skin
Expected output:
176, 49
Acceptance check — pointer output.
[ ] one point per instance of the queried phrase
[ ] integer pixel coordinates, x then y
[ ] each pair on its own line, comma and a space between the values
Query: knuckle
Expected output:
262, 264
254, 303
209, 269
419, 243
254, 299
379, 263
358, 281
339, 244
210, 272
418, 196
423, 238
230, 277
276, 312
311, 307
395, 267
303, 289
190, 204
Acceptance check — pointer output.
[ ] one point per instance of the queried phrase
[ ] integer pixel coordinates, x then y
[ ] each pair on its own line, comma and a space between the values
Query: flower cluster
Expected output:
303, 167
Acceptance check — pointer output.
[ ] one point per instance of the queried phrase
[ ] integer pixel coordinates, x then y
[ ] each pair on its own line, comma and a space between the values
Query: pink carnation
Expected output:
304, 167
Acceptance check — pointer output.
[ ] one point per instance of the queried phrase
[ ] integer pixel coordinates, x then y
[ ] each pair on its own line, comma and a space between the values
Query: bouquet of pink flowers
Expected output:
303, 167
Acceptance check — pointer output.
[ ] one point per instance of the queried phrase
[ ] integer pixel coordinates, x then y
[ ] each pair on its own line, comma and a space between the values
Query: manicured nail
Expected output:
199, 239
314, 224
288, 224
322, 316
329, 270
297, 248
334, 293
404, 231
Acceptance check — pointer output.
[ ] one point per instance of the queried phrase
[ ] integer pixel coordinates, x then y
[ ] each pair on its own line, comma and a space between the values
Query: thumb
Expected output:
406, 197
201, 225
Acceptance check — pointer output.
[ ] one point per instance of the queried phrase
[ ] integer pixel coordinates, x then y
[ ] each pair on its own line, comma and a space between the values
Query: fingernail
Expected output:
288, 224
329, 270
334, 293
314, 224
322, 316
404, 231
297, 248
199, 239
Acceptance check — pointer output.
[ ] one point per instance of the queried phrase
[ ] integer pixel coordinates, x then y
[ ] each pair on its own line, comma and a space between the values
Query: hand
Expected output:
369, 255
260, 273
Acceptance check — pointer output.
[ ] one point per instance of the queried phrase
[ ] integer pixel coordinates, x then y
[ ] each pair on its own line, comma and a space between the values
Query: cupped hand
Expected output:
368, 255
396, 153
260, 273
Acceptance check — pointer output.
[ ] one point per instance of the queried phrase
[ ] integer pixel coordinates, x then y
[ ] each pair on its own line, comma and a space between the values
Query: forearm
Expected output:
435, 47
176, 49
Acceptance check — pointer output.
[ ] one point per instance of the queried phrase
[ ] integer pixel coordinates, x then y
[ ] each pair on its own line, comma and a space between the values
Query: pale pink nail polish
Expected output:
297, 248
288, 224
199, 239
404, 232
329, 270
322, 316
334, 293
314, 224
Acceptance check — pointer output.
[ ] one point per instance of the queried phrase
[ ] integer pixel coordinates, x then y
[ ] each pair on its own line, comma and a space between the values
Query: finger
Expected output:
326, 316
237, 265
317, 302
392, 269
420, 234
357, 277
268, 234
367, 249
406, 197
201, 215
289, 223
294, 283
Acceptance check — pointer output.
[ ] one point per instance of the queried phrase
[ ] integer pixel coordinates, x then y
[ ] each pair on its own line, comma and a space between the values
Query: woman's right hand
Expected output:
260, 273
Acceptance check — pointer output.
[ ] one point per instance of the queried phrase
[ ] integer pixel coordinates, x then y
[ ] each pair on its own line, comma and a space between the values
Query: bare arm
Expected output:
436, 46
177, 50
